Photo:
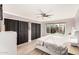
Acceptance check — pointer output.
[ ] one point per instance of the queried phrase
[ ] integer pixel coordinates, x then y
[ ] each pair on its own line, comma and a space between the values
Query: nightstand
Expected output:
72, 50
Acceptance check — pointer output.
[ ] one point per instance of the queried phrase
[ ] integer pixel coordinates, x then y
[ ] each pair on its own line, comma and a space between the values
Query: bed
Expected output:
53, 44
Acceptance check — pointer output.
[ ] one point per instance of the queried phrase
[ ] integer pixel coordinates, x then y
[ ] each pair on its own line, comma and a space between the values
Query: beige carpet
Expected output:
29, 49
37, 52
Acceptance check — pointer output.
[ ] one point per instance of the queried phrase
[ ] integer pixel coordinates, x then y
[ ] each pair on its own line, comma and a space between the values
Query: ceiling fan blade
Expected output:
41, 11
44, 15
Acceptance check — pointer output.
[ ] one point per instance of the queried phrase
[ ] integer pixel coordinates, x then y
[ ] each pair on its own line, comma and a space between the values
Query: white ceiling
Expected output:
31, 11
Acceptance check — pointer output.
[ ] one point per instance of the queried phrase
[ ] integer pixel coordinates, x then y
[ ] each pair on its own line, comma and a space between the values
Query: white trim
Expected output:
18, 17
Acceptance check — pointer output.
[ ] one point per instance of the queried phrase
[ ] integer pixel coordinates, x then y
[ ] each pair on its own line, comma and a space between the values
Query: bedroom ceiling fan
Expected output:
43, 14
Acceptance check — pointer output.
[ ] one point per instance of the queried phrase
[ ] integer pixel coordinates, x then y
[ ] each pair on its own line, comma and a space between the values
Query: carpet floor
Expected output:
29, 49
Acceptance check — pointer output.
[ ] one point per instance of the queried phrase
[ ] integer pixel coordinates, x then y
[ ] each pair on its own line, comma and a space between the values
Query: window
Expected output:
55, 28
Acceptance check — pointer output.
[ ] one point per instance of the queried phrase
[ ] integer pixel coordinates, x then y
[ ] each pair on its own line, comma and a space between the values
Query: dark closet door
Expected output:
35, 31
26, 31
38, 29
11, 25
1, 12
20, 27
23, 32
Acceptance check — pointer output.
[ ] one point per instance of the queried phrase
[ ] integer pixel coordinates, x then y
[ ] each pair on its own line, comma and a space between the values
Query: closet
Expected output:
20, 27
1, 12
23, 32
35, 31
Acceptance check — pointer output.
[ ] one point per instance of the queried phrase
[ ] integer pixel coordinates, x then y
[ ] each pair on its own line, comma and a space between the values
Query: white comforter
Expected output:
53, 42
59, 40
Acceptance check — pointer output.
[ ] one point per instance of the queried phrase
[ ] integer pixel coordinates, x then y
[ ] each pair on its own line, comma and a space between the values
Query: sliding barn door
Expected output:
23, 32
35, 31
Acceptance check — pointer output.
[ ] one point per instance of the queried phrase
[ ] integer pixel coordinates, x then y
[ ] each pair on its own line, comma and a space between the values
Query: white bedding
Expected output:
53, 42
54, 39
